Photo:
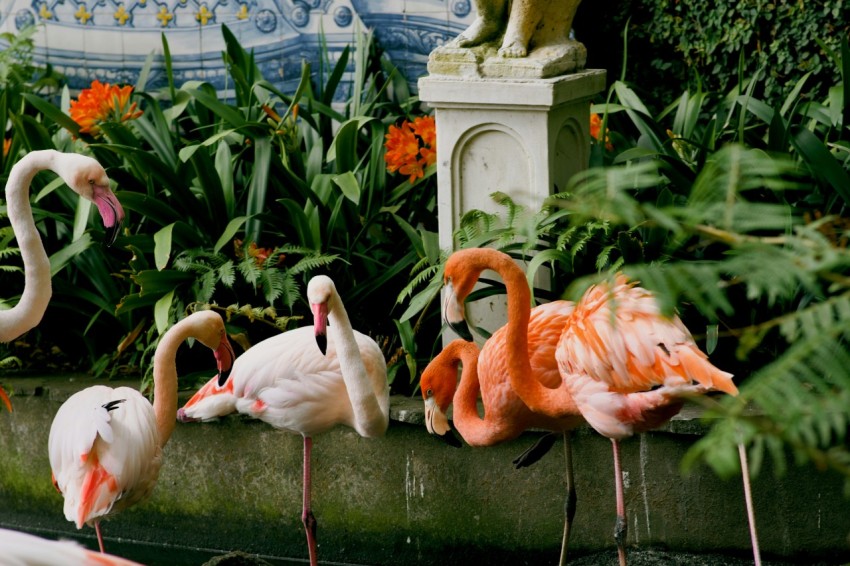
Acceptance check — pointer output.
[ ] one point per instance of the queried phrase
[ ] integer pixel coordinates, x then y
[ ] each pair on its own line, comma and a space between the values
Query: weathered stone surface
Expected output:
408, 498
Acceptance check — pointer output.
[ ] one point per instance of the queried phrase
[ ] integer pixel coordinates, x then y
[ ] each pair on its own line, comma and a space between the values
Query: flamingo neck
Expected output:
361, 393
165, 378
474, 430
555, 403
37, 289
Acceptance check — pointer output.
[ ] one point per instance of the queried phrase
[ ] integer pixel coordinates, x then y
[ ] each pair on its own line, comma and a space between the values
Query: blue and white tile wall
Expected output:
109, 40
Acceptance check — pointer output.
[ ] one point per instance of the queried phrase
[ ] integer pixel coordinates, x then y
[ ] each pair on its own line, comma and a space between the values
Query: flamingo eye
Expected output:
429, 393
91, 182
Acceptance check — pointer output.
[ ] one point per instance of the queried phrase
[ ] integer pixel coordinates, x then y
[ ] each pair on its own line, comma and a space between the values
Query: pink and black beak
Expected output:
111, 211
224, 357
453, 313
320, 325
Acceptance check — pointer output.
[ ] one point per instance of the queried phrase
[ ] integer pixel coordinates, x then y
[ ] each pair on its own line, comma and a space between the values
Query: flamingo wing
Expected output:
619, 336
104, 451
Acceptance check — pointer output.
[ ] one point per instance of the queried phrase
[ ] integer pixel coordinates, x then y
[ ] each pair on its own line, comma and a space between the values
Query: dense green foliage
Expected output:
235, 204
672, 43
734, 214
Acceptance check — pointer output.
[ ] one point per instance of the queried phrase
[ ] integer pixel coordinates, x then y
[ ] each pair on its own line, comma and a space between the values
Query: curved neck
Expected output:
556, 403
165, 378
37, 290
371, 414
468, 421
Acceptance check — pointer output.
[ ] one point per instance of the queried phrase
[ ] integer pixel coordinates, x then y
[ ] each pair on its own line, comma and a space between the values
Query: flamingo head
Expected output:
88, 179
209, 330
210, 402
459, 277
320, 293
439, 383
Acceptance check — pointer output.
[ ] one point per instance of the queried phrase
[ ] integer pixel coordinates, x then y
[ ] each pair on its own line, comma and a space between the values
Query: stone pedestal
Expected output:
523, 137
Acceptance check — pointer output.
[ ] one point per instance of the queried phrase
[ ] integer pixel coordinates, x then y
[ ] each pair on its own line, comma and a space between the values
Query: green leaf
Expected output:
349, 186
160, 312
229, 232
257, 188
821, 162
61, 258
162, 246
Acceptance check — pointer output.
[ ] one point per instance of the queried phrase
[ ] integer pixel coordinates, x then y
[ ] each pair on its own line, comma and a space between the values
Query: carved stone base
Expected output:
484, 61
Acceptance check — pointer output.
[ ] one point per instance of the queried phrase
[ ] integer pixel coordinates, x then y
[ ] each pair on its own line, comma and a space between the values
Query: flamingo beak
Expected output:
184, 418
111, 211
438, 424
5, 399
224, 357
453, 314
320, 325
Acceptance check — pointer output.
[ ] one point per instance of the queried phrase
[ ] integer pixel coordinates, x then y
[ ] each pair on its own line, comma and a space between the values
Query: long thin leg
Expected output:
99, 536
748, 498
621, 527
570, 505
307, 514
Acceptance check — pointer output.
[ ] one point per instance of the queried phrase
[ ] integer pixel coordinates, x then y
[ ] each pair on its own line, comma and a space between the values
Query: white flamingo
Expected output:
292, 383
106, 444
88, 179
23, 549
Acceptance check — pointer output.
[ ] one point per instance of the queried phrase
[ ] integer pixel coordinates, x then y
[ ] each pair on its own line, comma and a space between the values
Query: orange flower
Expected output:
411, 147
260, 255
101, 103
595, 131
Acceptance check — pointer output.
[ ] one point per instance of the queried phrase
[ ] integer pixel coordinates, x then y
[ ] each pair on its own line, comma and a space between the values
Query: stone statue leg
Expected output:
523, 19
489, 23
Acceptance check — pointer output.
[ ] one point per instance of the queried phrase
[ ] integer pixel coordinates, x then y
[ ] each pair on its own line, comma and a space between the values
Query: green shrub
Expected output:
672, 43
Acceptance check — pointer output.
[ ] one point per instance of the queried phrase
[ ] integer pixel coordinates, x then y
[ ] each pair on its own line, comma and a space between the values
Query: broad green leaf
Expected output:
232, 228
160, 312
349, 186
162, 246
61, 258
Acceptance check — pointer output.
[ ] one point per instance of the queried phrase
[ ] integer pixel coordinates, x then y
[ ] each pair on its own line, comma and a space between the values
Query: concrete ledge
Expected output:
407, 498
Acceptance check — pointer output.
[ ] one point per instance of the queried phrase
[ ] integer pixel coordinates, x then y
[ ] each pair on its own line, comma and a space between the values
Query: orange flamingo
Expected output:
630, 369
518, 356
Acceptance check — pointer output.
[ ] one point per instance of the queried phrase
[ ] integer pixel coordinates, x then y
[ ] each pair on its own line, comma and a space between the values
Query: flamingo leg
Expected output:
748, 498
307, 514
570, 504
99, 537
620, 527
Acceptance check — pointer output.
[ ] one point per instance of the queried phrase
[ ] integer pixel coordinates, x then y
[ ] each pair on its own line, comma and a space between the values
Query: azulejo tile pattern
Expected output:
110, 40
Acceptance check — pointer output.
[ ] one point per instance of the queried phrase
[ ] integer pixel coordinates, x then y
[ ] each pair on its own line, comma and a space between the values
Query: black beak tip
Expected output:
322, 343
462, 330
112, 233
222, 377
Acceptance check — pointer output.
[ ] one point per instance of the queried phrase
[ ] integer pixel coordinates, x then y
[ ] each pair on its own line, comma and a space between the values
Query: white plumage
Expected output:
105, 444
22, 549
288, 382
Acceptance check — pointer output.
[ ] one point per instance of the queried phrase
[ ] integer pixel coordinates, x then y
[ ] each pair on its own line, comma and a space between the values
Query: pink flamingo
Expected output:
306, 381
87, 178
518, 358
106, 444
630, 369
22, 549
